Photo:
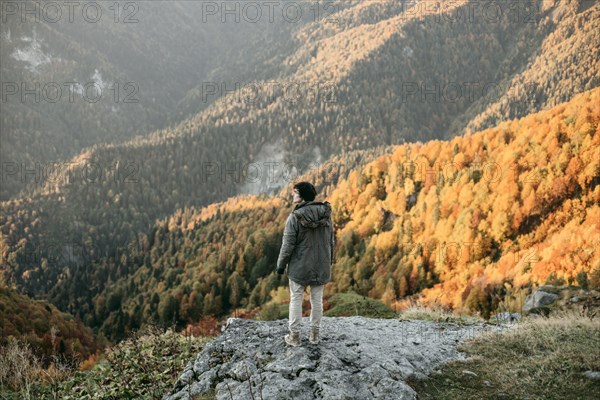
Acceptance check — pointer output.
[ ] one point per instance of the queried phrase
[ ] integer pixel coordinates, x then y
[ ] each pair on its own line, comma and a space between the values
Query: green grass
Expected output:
542, 358
350, 304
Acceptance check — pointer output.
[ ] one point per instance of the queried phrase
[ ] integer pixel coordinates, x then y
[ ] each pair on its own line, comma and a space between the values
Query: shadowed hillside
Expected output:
71, 81
49, 332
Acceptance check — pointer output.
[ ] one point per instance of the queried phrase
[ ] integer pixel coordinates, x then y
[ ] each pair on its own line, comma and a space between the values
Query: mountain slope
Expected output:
552, 75
34, 321
365, 56
464, 223
105, 82
87, 266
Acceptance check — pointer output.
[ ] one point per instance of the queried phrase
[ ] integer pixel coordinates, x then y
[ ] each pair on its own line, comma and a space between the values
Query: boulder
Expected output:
538, 299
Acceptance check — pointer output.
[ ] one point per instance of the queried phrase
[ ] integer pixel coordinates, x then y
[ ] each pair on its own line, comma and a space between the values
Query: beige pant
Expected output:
316, 304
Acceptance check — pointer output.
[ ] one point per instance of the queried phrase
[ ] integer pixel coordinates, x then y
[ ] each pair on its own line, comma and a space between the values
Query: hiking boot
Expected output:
313, 337
293, 339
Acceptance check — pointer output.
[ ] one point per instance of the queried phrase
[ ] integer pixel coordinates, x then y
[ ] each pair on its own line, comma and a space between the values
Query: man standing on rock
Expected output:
308, 251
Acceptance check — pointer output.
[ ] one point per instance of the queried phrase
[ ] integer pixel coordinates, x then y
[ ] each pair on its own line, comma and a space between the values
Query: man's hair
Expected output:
307, 190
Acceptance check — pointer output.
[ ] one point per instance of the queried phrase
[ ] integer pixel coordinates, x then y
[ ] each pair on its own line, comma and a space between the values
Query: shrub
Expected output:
553, 280
208, 326
269, 312
352, 303
582, 280
19, 367
595, 278
479, 301
145, 366
23, 375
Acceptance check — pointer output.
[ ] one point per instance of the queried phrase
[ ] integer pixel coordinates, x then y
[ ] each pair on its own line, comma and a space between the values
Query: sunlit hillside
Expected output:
459, 148
462, 223
365, 71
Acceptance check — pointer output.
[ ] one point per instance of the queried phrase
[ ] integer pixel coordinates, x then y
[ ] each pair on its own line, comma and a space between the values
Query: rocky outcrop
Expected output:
538, 299
357, 358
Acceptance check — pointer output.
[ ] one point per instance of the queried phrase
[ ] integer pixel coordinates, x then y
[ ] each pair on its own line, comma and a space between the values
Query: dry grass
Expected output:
540, 358
437, 314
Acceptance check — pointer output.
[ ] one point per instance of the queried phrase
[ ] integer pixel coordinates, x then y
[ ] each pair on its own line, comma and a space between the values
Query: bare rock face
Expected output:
357, 358
539, 299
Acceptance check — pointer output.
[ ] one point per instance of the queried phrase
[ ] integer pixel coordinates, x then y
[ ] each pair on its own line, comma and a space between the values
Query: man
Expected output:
308, 251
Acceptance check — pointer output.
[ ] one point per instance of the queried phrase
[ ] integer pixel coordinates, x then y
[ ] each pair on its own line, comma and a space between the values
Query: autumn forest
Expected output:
464, 202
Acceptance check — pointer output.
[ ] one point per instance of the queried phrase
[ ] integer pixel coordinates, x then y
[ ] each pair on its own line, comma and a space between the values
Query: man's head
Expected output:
305, 190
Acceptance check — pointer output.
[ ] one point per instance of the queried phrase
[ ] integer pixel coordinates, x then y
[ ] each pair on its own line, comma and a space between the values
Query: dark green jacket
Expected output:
308, 248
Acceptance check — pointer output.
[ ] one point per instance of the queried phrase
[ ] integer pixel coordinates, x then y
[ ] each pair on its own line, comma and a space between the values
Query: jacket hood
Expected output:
313, 214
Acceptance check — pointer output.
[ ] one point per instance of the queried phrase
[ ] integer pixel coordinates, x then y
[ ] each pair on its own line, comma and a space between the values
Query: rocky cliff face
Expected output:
357, 358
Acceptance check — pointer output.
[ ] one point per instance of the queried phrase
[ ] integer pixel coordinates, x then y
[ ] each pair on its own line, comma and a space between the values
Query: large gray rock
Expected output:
538, 299
358, 358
